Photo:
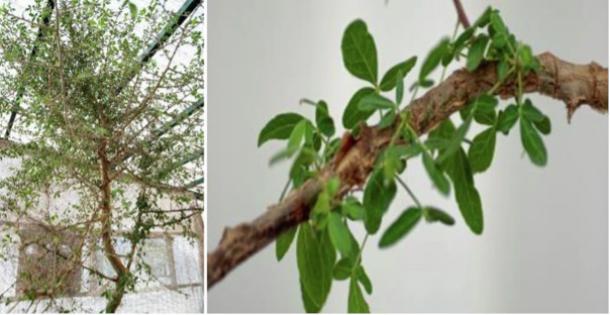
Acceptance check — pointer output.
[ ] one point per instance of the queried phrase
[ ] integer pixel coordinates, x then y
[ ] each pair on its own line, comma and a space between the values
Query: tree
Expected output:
103, 125
326, 170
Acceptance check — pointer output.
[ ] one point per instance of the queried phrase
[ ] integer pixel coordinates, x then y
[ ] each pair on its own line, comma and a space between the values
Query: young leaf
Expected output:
398, 71
343, 269
299, 170
339, 234
331, 149
436, 174
390, 163
532, 143
466, 194
500, 38
507, 119
502, 70
530, 112
283, 242
323, 120
544, 126
280, 127
359, 52
355, 301
377, 199
481, 150
374, 102
437, 215
465, 36
352, 208
315, 261
352, 114
363, 278
433, 59
400, 89
401, 227
476, 52
387, 119
526, 58
483, 20
297, 136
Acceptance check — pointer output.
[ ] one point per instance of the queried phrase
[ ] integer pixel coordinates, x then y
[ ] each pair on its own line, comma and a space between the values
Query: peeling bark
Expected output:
573, 84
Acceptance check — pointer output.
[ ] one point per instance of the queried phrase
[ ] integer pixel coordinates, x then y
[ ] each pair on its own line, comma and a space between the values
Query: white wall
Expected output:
545, 245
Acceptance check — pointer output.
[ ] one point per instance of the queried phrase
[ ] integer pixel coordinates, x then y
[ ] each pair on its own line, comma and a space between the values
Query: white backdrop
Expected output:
545, 244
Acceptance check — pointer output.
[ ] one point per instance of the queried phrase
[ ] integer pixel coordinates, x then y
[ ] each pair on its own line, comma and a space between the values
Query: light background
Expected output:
545, 244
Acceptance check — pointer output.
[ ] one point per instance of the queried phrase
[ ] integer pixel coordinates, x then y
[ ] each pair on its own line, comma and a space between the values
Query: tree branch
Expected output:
571, 83
463, 18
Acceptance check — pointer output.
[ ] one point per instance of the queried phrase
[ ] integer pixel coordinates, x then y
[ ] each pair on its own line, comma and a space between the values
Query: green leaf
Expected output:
400, 89
437, 215
377, 199
331, 149
530, 112
359, 52
299, 170
442, 133
343, 269
485, 110
448, 56
465, 36
500, 38
339, 234
355, 301
352, 208
363, 278
502, 70
507, 119
323, 120
390, 163
455, 142
466, 194
532, 143
483, 20
352, 115
374, 102
481, 150
389, 80
433, 59
436, 174
526, 58
133, 9
315, 261
401, 227
283, 242
476, 52
280, 127
544, 126
297, 136
387, 119
308, 303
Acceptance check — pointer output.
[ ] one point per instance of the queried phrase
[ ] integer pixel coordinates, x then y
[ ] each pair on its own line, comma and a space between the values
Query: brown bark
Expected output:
573, 84
106, 220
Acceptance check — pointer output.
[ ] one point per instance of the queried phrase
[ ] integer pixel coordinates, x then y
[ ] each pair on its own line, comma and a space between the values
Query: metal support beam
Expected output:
181, 117
195, 183
183, 13
189, 158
